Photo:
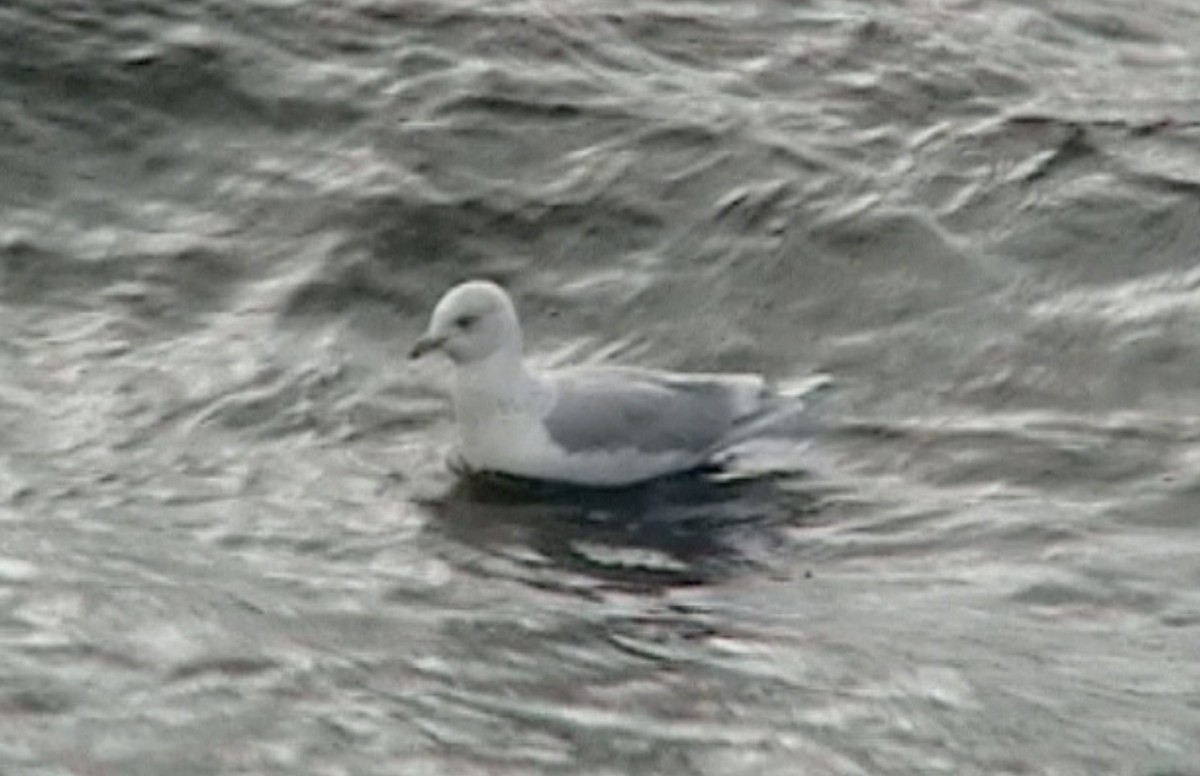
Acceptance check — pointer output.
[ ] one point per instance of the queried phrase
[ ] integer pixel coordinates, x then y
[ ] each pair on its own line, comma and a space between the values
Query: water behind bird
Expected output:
229, 540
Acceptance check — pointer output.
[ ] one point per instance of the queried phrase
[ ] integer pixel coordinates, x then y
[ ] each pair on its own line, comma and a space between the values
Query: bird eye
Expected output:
465, 321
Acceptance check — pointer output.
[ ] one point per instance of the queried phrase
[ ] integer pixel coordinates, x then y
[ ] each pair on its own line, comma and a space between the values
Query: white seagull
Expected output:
596, 426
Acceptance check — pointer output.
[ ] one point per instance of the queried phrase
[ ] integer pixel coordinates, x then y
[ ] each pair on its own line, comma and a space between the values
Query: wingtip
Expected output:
808, 386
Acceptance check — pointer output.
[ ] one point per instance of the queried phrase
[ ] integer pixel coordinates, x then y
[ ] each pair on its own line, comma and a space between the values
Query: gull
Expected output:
603, 426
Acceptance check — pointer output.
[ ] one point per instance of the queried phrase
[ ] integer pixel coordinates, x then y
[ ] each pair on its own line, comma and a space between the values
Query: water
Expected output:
229, 540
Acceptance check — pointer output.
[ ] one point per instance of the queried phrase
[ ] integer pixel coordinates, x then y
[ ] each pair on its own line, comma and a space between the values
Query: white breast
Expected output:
499, 430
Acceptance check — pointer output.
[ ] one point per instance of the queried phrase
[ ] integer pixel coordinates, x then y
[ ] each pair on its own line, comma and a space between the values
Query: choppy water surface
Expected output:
229, 542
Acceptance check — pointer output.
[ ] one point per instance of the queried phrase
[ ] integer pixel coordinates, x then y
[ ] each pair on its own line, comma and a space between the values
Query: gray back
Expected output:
611, 409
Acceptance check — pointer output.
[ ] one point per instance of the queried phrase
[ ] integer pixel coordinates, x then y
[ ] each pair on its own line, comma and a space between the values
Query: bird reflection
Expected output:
688, 529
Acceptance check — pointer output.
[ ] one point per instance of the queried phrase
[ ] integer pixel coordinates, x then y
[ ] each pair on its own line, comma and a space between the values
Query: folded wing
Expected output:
605, 410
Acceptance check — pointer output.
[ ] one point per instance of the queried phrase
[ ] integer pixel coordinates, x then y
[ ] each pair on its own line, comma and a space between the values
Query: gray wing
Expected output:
611, 409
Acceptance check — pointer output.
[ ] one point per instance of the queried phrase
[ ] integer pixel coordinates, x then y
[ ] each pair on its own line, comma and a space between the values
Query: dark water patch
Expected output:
1098, 596
891, 75
768, 206
418, 62
232, 667
23, 140
1172, 184
30, 272
694, 168
275, 401
36, 702
910, 99
1146, 222
1183, 620
1068, 336
1103, 143
1074, 147
888, 241
140, 73
178, 289
33, 271
980, 183
422, 13
1162, 156
683, 530
1109, 26
553, 101
1029, 457
914, 266
490, 31
353, 286
515, 109
707, 42
171, 287
1007, 176
393, 233
1169, 505
200, 74
455, 240
690, 141
472, 155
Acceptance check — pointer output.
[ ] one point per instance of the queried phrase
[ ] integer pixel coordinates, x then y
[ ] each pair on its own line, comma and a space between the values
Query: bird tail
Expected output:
787, 412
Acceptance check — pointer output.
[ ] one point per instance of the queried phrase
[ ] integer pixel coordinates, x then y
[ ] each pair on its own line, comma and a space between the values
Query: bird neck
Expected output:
500, 382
